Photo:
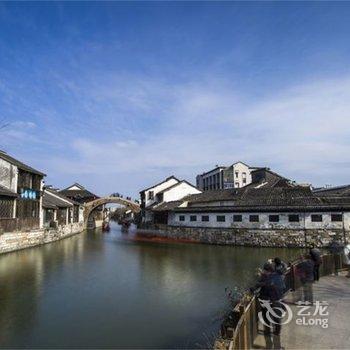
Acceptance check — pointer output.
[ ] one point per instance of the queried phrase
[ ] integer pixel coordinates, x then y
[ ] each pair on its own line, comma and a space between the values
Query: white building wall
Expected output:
178, 192
157, 189
264, 223
74, 187
41, 209
81, 213
8, 175
243, 173
174, 220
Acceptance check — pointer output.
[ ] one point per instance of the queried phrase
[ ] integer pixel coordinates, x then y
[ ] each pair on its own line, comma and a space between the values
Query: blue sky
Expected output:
118, 95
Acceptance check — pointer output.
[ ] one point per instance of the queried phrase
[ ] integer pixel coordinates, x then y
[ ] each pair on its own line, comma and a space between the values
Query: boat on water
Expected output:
105, 226
125, 224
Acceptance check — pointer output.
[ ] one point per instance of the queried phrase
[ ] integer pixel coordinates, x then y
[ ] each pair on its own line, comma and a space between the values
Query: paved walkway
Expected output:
335, 291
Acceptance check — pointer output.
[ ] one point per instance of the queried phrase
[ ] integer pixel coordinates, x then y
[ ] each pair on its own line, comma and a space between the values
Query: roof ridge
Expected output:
19, 164
167, 179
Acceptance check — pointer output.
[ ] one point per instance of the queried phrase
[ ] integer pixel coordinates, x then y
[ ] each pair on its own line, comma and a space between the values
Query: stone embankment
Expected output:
248, 237
12, 241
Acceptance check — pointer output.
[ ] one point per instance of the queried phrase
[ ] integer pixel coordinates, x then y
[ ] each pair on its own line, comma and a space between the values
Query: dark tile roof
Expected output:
166, 206
279, 198
168, 178
211, 196
78, 194
341, 191
19, 164
7, 193
51, 201
76, 184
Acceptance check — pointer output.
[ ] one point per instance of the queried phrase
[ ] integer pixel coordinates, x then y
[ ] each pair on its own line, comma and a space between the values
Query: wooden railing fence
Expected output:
246, 329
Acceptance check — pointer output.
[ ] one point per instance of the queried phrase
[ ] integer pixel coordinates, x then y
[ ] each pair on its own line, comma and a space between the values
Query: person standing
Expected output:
336, 248
280, 266
315, 255
305, 271
272, 288
346, 258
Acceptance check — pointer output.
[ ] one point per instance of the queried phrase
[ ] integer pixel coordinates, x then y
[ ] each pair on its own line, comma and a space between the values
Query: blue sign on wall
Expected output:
29, 194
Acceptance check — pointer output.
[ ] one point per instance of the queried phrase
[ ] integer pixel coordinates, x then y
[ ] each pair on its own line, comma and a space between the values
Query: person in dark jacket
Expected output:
305, 271
336, 249
272, 288
315, 254
280, 266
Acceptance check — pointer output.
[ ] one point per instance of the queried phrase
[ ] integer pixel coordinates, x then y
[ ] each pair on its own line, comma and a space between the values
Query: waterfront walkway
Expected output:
335, 291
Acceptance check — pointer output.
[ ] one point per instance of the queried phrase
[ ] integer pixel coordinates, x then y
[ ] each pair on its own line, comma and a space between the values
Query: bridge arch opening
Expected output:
91, 206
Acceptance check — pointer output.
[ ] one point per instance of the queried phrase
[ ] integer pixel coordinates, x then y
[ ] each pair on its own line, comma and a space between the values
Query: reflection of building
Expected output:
59, 210
167, 191
222, 177
20, 194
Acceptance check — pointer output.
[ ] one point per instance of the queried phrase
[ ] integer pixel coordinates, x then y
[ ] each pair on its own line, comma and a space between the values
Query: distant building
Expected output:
20, 195
167, 191
336, 191
78, 193
272, 211
223, 177
59, 210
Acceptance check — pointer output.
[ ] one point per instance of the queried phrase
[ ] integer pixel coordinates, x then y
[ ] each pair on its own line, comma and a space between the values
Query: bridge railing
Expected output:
246, 311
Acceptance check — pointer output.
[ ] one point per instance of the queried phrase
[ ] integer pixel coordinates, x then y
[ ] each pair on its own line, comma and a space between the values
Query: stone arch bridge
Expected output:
90, 206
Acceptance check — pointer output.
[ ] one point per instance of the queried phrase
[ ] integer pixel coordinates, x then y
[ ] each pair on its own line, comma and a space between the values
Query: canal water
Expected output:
110, 290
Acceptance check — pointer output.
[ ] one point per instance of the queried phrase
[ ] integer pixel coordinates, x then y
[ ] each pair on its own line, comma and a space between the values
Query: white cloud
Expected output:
301, 131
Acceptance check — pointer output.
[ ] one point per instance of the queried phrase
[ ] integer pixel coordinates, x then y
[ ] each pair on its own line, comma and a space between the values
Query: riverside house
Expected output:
80, 194
20, 195
60, 210
223, 177
30, 214
157, 196
270, 211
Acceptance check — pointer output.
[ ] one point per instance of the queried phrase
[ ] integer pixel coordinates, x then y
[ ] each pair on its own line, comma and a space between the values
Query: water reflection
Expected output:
105, 290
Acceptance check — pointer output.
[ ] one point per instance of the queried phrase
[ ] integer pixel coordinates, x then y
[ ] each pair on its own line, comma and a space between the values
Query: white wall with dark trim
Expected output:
305, 220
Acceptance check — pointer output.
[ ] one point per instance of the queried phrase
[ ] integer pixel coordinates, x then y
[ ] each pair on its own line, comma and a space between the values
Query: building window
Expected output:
244, 175
159, 197
254, 218
193, 218
150, 195
244, 181
337, 217
220, 218
237, 218
182, 218
205, 217
236, 174
237, 184
274, 218
6, 208
293, 218
316, 218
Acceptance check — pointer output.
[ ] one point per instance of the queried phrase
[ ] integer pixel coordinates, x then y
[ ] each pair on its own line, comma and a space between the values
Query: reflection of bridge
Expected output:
90, 206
